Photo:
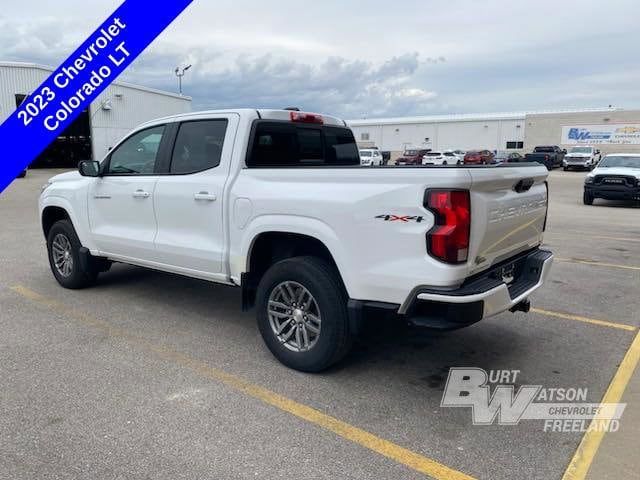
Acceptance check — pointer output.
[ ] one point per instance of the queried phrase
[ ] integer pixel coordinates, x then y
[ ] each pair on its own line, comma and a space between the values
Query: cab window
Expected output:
198, 146
137, 154
284, 144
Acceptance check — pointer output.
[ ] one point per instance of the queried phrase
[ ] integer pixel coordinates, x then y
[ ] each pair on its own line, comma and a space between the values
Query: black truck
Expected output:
550, 156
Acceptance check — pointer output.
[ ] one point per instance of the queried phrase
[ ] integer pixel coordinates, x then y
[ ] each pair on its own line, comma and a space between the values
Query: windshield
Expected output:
410, 153
433, 154
580, 150
616, 161
365, 153
450, 154
543, 149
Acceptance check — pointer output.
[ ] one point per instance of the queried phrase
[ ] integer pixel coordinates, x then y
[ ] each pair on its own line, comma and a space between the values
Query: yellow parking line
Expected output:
597, 264
342, 429
578, 318
586, 452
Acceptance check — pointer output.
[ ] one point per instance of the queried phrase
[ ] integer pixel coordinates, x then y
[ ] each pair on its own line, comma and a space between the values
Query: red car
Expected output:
412, 156
478, 157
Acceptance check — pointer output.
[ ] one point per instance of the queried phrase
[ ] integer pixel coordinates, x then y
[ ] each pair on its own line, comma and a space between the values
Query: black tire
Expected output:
76, 277
566, 169
587, 198
322, 281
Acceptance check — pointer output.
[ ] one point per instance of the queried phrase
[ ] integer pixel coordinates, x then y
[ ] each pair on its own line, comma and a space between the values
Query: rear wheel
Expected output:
302, 313
63, 248
587, 198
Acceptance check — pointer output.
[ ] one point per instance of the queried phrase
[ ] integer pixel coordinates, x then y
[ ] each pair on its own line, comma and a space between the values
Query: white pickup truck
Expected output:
276, 203
583, 157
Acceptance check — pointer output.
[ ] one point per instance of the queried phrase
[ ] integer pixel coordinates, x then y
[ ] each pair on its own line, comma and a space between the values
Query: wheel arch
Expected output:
54, 208
268, 246
52, 214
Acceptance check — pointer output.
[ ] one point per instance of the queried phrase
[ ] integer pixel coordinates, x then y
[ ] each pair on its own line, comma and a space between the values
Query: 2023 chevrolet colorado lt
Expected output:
276, 203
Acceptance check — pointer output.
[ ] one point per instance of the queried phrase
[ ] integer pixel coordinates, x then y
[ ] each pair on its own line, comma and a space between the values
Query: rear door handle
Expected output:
209, 197
141, 194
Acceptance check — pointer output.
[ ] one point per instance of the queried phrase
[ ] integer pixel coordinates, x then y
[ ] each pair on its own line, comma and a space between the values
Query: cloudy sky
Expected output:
366, 58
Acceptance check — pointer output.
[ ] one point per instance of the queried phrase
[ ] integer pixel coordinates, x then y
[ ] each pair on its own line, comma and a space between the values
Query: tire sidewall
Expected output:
332, 305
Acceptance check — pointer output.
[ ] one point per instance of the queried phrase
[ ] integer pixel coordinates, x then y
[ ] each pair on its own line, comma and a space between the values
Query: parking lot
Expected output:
149, 374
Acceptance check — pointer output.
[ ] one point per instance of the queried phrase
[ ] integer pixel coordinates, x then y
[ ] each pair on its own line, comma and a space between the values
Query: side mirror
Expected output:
89, 168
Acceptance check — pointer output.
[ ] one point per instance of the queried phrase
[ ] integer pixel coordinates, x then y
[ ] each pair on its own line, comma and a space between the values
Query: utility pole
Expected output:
179, 71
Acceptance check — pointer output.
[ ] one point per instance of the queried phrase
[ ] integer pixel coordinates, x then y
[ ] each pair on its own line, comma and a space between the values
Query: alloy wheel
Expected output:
62, 255
294, 316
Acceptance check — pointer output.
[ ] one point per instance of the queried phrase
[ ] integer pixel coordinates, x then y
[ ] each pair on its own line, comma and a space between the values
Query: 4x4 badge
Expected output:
400, 218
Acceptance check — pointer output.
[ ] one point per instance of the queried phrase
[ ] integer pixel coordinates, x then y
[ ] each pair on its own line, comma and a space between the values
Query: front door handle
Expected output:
141, 194
209, 197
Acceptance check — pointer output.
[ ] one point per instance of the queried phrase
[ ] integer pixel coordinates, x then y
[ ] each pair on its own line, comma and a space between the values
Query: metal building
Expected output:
518, 131
119, 108
442, 132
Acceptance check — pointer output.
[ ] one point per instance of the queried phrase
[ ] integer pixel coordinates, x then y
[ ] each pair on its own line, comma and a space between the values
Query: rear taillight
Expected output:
448, 240
302, 117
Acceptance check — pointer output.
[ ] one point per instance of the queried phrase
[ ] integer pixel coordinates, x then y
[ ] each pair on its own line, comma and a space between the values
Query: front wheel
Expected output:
63, 248
587, 198
302, 313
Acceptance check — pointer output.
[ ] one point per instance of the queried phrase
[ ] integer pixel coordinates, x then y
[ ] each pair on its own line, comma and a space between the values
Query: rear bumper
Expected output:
611, 192
480, 296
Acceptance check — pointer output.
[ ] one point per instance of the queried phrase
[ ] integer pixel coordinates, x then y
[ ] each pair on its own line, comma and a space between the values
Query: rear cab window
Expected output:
286, 145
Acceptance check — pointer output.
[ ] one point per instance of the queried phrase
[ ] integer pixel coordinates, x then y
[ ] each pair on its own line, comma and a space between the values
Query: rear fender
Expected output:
308, 226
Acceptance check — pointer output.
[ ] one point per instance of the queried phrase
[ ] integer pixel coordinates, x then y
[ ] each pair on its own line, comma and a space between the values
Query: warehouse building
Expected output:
119, 108
612, 129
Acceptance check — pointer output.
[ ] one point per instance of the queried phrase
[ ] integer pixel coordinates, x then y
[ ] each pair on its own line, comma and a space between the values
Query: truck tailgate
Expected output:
508, 212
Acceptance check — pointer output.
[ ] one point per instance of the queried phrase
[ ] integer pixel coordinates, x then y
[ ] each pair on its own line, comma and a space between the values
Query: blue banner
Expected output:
71, 88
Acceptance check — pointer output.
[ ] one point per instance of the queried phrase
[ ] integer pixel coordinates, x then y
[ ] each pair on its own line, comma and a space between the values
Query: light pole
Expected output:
179, 71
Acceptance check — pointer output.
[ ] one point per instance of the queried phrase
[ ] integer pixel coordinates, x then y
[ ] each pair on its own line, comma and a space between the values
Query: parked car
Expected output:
582, 157
478, 157
453, 157
370, 157
503, 156
617, 177
438, 158
412, 156
228, 197
550, 156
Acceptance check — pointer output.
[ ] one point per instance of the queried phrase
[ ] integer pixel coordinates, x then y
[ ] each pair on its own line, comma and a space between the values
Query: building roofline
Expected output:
471, 117
46, 68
